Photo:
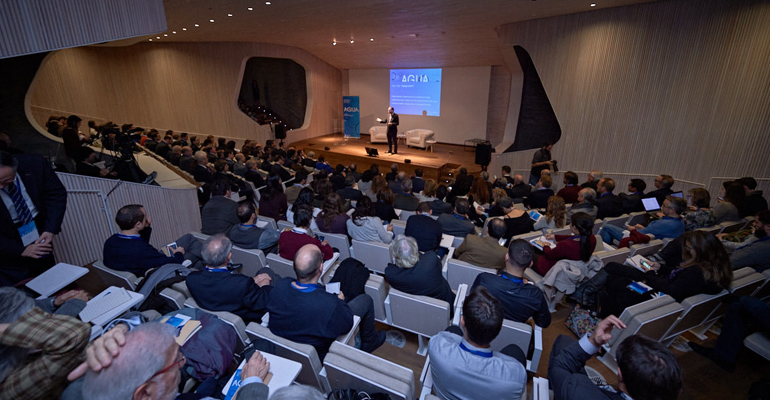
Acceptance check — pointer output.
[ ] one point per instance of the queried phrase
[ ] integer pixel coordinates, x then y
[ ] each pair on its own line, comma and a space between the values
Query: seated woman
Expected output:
322, 189
731, 197
367, 227
698, 214
706, 269
495, 210
428, 193
365, 183
415, 273
555, 216
383, 208
273, 203
479, 195
578, 246
333, 218
291, 240
306, 196
516, 221
378, 183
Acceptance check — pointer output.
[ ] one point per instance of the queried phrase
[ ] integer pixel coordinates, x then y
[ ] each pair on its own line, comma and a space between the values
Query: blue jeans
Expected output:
610, 232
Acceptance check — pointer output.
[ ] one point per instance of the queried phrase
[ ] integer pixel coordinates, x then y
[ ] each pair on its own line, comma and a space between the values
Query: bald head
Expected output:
308, 263
517, 179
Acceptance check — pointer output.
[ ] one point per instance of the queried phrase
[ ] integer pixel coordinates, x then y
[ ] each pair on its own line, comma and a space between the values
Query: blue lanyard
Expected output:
459, 216
485, 354
222, 269
132, 237
756, 241
249, 225
305, 288
512, 278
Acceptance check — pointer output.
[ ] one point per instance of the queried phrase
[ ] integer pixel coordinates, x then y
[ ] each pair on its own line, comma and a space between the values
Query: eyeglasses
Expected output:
180, 361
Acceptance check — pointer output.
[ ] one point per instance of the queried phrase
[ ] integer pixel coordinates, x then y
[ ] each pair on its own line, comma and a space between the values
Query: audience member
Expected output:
731, 197
323, 165
593, 180
300, 182
186, 162
485, 250
555, 216
586, 204
292, 240
506, 174
164, 147
309, 161
86, 165
338, 177
541, 161
333, 218
306, 196
539, 197
218, 288
521, 301
365, 226
757, 253
239, 166
571, 188
754, 201
272, 203
365, 183
350, 193
202, 173
462, 184
698, 213
395, 185
322, 189
353, 171
34, 204
577, 246
516, 221
478, 198
219, 214
383, 208
632, 201
428, 193
647, 370
439, 206
463, 365
663, 184
406, 200
72, 138
608, 204
519, 189
495, 210
252, 175
415, 273
247, 235
378, 184
391, 176
302, 311
457, 224
669, 226
424, 229
418, 184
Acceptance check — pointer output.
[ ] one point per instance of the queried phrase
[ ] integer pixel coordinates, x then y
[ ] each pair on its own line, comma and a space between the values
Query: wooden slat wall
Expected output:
42, 25
678, 87
191, 87
90, 217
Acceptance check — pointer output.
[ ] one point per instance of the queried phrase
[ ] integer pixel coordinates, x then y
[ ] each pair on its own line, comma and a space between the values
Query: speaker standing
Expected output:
392, 122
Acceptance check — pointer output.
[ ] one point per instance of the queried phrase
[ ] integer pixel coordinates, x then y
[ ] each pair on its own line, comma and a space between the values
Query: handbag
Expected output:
581, 321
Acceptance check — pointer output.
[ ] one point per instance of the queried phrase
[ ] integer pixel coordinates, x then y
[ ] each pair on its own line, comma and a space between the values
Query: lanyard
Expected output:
305, 288
222, 269
512, 278
132, 237
485, 354
459, 216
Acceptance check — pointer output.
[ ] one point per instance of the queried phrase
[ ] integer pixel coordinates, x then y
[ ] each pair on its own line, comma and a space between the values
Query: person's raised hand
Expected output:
101, 352
603, 332
256, 366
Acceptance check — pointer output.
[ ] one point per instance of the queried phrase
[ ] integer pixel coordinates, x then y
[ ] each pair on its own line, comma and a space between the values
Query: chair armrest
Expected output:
426, 379
537, 353
174, 296
350, 337
532, 276
446, 259
462, 291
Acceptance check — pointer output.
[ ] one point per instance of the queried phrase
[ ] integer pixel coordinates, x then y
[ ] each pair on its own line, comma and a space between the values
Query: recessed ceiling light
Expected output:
174, 32
165, 34
157, 37
334, 42
593, 4
250, 8
196, 25
151, 40
351, 40
211, 20
229, 15
267, 3
184, 29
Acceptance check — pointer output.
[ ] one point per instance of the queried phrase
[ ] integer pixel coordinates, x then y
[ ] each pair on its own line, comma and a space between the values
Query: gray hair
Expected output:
596, 174
216, 249
13, 304
406, 185
143, 355
404, 251
589, 195
311, 154
200, 155
297, 392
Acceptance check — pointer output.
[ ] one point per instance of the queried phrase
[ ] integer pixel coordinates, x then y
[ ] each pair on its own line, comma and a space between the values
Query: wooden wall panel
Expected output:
677, 87
499, 93
42, 25
191, 87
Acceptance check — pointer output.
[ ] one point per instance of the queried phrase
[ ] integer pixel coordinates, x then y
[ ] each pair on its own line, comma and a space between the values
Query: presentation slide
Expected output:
416, 91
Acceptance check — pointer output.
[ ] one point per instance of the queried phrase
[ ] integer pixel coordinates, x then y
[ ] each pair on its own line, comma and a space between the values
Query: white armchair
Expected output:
418, 137
378, 134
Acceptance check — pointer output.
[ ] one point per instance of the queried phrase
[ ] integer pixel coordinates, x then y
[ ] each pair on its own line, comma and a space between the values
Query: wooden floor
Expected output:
703, 379
345, 151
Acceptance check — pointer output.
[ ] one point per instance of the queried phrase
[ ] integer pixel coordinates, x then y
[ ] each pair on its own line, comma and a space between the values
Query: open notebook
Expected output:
55, 279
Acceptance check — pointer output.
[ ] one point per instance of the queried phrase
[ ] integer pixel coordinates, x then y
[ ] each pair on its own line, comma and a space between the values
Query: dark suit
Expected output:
50, 198
455, 225
609, 205
255, 178
418, 184
349, 193
519, 191
226, 291
440, 207
219, 215
202, 174
632, 202
404, 201
425, 230
162, 149
392, 132
538, 198
566, 373
424, 279
186, 163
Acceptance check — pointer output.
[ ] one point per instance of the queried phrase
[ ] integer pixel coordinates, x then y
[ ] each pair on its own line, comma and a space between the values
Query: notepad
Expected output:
186, 327
56, 278
105, 303
447, 240
282, 373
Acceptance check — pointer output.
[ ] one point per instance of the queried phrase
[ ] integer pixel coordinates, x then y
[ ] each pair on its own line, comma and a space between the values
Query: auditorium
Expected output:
524, 199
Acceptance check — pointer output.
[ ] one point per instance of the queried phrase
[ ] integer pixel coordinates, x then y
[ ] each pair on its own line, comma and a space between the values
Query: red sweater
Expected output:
290, 242
567, 247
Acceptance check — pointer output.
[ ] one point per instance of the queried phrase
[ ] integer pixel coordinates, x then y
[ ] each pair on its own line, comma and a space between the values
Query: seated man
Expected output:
571, 189
405, 199
439, 206
585, 204
463, 365
457, 223
300, 181
539, 197
669, 226
217, 288
424, 229
291, 240
302, 311
520, 301
632, 202
485, 250
220, 213
38, 349
201, 171
663, 184
593, 180
418, 184
646, 369
130, 250
348, 192
754, 202
247, 235
608, 204
518, 188
415, 273
757, 253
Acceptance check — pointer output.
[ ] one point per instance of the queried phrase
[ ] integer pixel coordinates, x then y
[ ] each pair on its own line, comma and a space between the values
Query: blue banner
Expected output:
351, 116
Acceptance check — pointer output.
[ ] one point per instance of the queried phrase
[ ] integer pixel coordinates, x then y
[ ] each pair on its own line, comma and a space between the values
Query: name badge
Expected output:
29, 233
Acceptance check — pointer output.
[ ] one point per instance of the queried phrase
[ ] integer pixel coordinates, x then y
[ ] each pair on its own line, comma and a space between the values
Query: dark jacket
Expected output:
226, 291
425, 230
609, 205
424, 279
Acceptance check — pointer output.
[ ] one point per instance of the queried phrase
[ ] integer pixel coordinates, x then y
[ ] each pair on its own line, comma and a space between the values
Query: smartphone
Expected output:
639, 287
171, 246
321, 238
645, 265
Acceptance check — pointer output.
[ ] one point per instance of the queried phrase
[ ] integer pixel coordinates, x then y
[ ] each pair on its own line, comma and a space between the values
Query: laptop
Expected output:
651, 204
678, 194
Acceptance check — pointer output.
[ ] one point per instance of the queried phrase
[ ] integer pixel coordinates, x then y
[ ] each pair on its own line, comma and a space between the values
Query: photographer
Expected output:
540, 161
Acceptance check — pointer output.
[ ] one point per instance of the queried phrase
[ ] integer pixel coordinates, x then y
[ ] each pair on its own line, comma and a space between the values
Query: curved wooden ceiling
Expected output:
425, 33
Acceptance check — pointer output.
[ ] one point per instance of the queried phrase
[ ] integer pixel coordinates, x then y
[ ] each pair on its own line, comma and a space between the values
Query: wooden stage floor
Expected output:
444, 158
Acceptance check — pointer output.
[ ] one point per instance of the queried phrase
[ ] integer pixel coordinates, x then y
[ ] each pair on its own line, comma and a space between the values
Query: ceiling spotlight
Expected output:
267, 3
593, 4
229, 15
250, 8
157, 37
334, 43
211, 20
371, 39
174, 32
196, 25
184, 29
351, 40
151, 40
165, 34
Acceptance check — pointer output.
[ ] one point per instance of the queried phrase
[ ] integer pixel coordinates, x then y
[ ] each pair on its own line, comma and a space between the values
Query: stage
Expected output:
439, 164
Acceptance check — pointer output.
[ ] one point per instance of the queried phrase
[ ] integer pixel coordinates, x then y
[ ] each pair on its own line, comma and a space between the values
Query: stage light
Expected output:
157, 37
351, 41
593, 4
334, 43
371, 39
196, 25
151, 40
267, 3
184, 29
250, 8
229, 15
165, 34
211, 20
174, 32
